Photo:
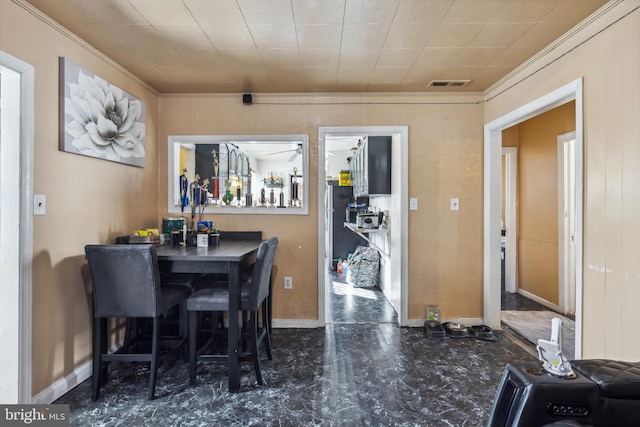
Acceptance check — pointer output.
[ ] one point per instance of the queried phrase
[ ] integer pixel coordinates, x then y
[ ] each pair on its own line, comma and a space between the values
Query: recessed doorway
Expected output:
493, 198
392, 247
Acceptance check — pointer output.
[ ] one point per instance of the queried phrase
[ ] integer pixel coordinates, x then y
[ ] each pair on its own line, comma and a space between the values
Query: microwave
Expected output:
367, 220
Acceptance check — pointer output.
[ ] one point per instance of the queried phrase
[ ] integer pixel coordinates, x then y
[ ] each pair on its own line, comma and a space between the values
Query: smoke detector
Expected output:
448, 83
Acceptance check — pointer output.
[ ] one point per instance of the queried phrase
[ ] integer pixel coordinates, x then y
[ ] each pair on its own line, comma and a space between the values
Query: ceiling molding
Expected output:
83, 44
565, 43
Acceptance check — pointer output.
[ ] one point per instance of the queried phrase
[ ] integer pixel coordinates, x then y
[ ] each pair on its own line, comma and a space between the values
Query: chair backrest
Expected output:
122, 240
125, 280
262, 271
240, 235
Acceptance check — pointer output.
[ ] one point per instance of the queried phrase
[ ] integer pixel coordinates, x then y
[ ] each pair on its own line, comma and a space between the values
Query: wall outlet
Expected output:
288, 283
455, 204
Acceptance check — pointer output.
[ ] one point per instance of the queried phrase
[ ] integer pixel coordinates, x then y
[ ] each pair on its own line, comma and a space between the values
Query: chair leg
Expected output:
155, 348
193, 342
270, 302
184, 329
254, 346
266, 328
97, 357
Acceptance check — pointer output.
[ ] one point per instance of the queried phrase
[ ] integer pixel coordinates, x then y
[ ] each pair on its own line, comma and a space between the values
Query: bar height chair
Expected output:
253, 297
209, 280
126, 283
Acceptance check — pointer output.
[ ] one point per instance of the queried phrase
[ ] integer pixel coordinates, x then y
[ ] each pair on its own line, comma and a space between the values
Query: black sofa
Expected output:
603, 393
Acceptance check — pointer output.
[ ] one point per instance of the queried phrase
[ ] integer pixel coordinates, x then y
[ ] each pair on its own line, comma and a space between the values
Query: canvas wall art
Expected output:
98, 119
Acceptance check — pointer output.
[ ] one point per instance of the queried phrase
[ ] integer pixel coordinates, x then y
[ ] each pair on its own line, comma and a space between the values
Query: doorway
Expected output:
16, 202
546, 194
395, 282
493, 197
346, 302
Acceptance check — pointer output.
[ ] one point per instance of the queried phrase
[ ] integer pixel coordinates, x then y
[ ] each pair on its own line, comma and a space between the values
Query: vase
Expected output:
214, 239
192, 239
202, 240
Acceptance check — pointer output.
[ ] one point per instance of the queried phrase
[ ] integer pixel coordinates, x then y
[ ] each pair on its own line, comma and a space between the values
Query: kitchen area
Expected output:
357, 219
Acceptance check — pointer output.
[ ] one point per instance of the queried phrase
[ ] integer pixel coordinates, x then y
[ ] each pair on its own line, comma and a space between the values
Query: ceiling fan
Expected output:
296, 152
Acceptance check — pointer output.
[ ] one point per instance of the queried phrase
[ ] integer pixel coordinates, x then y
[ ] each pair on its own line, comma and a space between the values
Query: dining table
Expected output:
228, 257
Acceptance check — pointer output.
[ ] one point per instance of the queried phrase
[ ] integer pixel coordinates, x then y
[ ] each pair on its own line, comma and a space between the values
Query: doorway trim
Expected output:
400, 133
493, 195
566, 222
510, 218
16, 309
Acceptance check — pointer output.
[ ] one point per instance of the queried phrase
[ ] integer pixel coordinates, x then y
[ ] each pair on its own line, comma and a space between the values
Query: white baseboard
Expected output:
412, 323
539, 300
296, 323
63, 385
68, 382
467, 321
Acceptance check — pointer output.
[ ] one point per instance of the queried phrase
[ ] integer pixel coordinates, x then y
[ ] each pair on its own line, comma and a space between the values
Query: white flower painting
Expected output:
99, 119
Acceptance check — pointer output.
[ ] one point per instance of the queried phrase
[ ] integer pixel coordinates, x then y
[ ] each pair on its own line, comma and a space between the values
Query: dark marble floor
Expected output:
343, 375
361, 370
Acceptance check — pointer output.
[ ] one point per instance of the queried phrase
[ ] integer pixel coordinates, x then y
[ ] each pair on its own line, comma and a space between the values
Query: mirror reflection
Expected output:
261, 174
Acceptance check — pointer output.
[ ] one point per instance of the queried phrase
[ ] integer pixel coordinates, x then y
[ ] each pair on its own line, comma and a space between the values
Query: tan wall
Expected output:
445, 151
538, 200
88, 200
606, 55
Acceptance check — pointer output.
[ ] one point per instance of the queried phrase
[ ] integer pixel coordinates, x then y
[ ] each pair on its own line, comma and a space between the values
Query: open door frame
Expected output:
510, 219
566, 222
16, 189
400, 246
493, 198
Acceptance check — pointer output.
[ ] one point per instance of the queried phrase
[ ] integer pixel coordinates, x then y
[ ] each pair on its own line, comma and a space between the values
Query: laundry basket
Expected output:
364, 268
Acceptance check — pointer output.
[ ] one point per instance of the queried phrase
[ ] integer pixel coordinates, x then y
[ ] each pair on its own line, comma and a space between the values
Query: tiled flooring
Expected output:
361, 370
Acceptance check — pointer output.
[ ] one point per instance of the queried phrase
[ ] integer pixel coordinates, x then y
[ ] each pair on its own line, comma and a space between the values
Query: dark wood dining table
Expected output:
229, 257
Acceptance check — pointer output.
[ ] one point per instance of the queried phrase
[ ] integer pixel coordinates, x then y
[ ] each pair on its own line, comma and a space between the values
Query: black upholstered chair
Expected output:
126, 284
209, 280
249, 235
253, 296
185, 279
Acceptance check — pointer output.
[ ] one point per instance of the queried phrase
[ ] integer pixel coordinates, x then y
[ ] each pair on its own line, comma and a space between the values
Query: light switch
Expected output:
455, 204
413, 204
39, 204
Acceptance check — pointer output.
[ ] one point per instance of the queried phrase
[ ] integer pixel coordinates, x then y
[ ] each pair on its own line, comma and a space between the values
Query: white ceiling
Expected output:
287, 46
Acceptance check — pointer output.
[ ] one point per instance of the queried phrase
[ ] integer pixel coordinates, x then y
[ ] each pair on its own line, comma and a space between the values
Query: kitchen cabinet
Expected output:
371, 167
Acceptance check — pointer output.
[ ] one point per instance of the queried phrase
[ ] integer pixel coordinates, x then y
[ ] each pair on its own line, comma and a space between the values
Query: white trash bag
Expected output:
364, 268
